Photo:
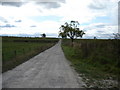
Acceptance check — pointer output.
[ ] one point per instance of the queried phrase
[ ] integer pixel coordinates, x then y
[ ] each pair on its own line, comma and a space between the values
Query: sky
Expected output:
97, 18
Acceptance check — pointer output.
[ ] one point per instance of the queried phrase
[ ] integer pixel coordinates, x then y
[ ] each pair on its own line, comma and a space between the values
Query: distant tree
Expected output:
43, 35
71, 30
116, 36
95, 38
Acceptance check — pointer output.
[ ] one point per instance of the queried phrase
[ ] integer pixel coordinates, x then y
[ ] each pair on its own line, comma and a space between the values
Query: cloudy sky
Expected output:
32, 17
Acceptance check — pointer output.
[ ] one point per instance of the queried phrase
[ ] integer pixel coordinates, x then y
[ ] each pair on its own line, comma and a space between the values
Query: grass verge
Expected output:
94, 73
16, 50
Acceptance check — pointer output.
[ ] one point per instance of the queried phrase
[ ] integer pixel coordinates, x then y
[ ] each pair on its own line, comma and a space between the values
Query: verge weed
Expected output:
95, 62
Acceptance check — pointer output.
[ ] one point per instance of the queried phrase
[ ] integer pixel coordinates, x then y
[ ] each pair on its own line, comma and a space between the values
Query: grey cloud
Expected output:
88, 37
49, 5
96, 4
92, 6
18, 21
46, 3
7, 26
106, 36
29, 35
100, 31
3, 19
52, 34
99, 36
16, 4
62, 1
100, 26
33, 26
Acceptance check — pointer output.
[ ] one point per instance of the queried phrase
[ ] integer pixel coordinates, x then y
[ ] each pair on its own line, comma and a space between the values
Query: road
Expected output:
49, 69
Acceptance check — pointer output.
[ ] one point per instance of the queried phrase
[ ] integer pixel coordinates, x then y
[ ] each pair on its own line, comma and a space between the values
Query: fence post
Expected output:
15, 52
29, 49
2, 56
23, 50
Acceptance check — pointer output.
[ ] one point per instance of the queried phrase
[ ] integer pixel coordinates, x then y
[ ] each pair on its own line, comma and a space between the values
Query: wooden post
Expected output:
2, 56
15, 52
29, 49
23, 50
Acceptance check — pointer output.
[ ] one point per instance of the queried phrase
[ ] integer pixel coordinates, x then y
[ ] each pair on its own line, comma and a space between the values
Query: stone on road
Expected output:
49, 69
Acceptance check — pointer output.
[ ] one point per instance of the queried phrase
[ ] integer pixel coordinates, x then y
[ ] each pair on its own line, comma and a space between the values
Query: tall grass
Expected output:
95, 58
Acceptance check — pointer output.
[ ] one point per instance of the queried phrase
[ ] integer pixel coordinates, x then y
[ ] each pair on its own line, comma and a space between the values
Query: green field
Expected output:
95, 60
16, 50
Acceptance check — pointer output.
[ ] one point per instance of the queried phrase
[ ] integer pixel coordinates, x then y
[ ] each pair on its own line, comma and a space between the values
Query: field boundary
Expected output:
15, 53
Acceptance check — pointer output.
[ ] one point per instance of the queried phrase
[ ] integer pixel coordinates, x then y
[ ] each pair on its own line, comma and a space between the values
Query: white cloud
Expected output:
29, 9
83, 11
101, 30
24, 27
72, 10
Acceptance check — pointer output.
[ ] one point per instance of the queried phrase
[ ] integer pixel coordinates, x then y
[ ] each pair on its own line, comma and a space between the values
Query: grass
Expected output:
16, 50
94, 59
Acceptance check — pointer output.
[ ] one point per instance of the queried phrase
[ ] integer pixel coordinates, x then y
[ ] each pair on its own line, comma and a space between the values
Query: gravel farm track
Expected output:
49, 69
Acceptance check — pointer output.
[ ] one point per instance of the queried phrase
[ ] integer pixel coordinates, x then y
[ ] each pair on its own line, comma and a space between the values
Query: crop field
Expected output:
95, 59
16, 50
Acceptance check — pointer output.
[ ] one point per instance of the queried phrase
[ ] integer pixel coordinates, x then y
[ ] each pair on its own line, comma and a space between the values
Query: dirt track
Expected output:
49, 69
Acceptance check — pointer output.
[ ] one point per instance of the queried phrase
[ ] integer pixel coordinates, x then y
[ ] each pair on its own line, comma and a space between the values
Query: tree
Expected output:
71, 30
43, 35
61, 32
116, 36
63, 35
95, 38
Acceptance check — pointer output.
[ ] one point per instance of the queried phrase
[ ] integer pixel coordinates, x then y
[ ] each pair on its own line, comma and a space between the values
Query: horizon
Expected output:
22, 18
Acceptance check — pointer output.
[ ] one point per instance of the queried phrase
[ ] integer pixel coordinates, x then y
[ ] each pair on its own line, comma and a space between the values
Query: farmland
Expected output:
96, 60
16, 50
